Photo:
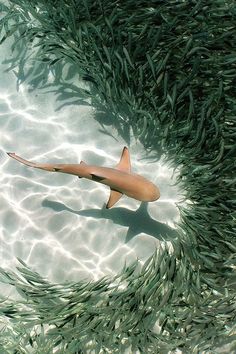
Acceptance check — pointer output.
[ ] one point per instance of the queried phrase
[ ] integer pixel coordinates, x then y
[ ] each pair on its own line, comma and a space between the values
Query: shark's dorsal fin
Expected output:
114, 197
81, 163
124, 164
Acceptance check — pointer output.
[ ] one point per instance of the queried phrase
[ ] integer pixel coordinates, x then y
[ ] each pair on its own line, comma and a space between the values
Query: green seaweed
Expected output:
168, 70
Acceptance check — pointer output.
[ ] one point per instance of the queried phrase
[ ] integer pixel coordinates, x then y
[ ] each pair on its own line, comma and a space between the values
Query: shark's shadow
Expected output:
138, 221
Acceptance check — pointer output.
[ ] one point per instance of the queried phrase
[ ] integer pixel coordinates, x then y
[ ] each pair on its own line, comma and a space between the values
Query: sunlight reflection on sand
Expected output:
57, 223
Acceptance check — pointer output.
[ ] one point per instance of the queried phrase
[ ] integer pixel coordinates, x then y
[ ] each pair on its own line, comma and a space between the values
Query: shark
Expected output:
120, 179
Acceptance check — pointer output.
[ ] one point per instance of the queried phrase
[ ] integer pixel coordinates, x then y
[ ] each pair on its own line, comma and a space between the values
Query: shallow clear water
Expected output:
57, 223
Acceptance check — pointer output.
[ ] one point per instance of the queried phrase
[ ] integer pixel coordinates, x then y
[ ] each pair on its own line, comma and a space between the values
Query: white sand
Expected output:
55, 222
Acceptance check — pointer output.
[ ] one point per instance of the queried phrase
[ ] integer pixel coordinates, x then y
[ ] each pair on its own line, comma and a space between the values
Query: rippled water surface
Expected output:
57, 223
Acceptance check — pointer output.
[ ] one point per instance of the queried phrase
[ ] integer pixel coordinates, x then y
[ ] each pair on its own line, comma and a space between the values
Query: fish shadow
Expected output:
138, 221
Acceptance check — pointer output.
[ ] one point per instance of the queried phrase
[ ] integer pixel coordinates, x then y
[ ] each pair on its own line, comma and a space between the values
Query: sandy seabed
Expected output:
58, 223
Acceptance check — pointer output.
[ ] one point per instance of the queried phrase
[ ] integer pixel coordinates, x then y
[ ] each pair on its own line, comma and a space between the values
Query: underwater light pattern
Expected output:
168, 73
57, 223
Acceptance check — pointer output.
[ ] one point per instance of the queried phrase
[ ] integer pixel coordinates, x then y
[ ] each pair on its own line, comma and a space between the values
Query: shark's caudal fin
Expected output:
123, 165
18, 158
45, 167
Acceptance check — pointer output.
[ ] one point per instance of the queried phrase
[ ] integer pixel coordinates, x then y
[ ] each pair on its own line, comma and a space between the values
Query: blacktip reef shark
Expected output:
120, 179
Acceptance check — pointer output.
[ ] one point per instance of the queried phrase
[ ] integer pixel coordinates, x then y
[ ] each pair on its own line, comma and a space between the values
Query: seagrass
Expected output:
168, 70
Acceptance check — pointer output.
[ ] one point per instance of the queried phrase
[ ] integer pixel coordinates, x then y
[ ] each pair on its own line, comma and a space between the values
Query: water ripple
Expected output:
57, 223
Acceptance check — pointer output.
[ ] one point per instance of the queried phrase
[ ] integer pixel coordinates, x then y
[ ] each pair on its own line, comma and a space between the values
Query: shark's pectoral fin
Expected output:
97, 178
114, 197
124, 164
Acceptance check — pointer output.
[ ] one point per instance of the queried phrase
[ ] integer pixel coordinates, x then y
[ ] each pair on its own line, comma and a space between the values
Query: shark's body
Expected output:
119, 179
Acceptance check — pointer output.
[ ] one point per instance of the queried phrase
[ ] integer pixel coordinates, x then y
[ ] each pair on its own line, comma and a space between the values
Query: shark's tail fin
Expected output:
46, 167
